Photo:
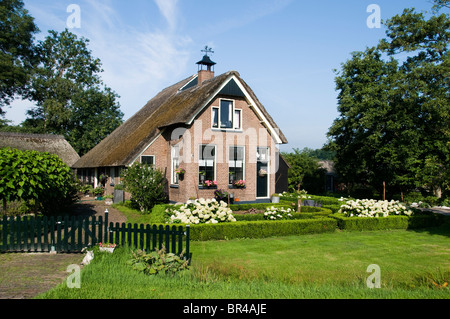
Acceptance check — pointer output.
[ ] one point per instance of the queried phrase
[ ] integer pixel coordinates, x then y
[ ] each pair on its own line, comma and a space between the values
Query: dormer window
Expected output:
226, 116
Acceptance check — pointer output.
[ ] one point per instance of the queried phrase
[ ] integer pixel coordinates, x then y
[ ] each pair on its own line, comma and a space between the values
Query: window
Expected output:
206, 163
150, 160
237, 119
215, 117
175, 164
236, 159
226, 116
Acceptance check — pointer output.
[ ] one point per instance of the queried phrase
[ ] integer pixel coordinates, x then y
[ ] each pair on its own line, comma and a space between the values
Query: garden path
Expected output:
25, 275
92, 207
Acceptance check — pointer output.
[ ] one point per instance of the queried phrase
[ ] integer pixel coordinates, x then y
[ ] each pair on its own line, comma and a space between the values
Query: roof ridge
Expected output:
32, 135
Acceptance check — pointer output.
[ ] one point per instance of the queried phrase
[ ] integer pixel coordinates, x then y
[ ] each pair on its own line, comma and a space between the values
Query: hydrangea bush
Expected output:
201, 211
278, 213
373, 208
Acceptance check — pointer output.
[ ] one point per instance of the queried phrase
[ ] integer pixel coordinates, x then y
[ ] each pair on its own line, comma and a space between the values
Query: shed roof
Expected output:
53, 144
169, 107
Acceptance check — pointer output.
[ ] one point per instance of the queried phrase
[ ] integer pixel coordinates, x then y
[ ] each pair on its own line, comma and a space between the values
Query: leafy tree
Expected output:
68, 92
146, 184
41, 177
17, 51
95, 115
439, 4
305, 171
394, 121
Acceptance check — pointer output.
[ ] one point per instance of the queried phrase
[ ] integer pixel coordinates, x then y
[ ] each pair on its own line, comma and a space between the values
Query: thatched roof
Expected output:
169, 107
53, 144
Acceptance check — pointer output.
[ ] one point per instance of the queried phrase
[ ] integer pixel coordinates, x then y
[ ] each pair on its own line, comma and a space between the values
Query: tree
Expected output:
17, 50
67, 67
68, 92
394, 117
146, 185
95, 114
305, 171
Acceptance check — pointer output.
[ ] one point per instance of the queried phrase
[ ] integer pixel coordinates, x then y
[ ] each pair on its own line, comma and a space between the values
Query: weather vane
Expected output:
207, 50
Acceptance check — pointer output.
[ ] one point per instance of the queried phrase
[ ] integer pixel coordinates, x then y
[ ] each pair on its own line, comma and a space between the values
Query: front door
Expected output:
262, 171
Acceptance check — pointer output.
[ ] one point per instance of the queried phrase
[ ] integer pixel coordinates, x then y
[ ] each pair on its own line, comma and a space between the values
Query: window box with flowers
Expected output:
238, 183
209, 184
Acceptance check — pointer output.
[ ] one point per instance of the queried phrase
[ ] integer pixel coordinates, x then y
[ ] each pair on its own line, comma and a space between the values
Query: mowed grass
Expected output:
333, 265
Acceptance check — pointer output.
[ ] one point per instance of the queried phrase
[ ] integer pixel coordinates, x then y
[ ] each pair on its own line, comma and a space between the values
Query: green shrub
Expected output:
258, 206
254, 217
158, 214
35, 176
158, 261
389, 222
261, 229
146, 185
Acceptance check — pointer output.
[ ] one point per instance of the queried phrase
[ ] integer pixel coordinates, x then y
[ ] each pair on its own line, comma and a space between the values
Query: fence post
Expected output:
187, 242
106, 226
5, 233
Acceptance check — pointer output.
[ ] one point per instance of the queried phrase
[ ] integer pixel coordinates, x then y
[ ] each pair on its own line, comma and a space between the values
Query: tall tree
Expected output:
17, 50
394, 121
70, 97
67, 68
95, 114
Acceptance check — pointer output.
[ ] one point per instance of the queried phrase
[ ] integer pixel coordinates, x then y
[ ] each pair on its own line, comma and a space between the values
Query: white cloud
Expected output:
169, 10
138, 60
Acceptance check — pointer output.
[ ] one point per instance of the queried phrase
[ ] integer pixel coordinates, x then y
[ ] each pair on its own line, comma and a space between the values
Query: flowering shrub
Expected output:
373, 208
201, 211
273, 213
221, 195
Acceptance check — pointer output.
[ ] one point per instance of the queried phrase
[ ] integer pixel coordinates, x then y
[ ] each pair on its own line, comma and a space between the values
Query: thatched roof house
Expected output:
178, 104
53, 144
220, 114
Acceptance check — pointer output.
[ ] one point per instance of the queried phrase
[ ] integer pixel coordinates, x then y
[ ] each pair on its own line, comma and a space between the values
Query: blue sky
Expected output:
285, 50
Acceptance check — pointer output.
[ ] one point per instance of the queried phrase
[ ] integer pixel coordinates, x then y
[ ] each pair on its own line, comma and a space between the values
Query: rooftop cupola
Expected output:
205, 66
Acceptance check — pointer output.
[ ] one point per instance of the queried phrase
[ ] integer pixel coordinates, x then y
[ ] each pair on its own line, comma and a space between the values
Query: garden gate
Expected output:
72, 234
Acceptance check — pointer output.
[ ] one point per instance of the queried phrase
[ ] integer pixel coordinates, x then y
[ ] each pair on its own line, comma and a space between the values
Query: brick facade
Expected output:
252, 135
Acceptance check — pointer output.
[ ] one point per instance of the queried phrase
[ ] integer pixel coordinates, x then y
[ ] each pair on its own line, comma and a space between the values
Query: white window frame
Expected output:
233, 116
154, 159
243, 160
173, 176
215, 108
200, 160
239, 128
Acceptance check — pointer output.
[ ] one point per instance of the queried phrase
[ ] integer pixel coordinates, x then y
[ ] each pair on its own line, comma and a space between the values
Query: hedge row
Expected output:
323, 212
261, 229
254, 225
390, 222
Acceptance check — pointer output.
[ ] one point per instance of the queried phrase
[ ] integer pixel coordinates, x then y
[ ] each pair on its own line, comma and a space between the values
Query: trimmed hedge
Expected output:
320, 221
390, 222
258, 206
318, 214
261, 229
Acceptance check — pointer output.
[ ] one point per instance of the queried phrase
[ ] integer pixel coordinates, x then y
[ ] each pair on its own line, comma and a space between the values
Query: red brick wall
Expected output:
253, 134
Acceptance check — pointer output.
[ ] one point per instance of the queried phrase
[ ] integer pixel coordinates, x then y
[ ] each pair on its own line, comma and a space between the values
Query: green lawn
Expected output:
331, 265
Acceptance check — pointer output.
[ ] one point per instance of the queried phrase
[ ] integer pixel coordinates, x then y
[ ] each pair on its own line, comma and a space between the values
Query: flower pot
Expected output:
275, 199
108, 249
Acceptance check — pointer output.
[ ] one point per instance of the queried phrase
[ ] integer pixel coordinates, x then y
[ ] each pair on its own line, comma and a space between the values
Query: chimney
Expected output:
208, 72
